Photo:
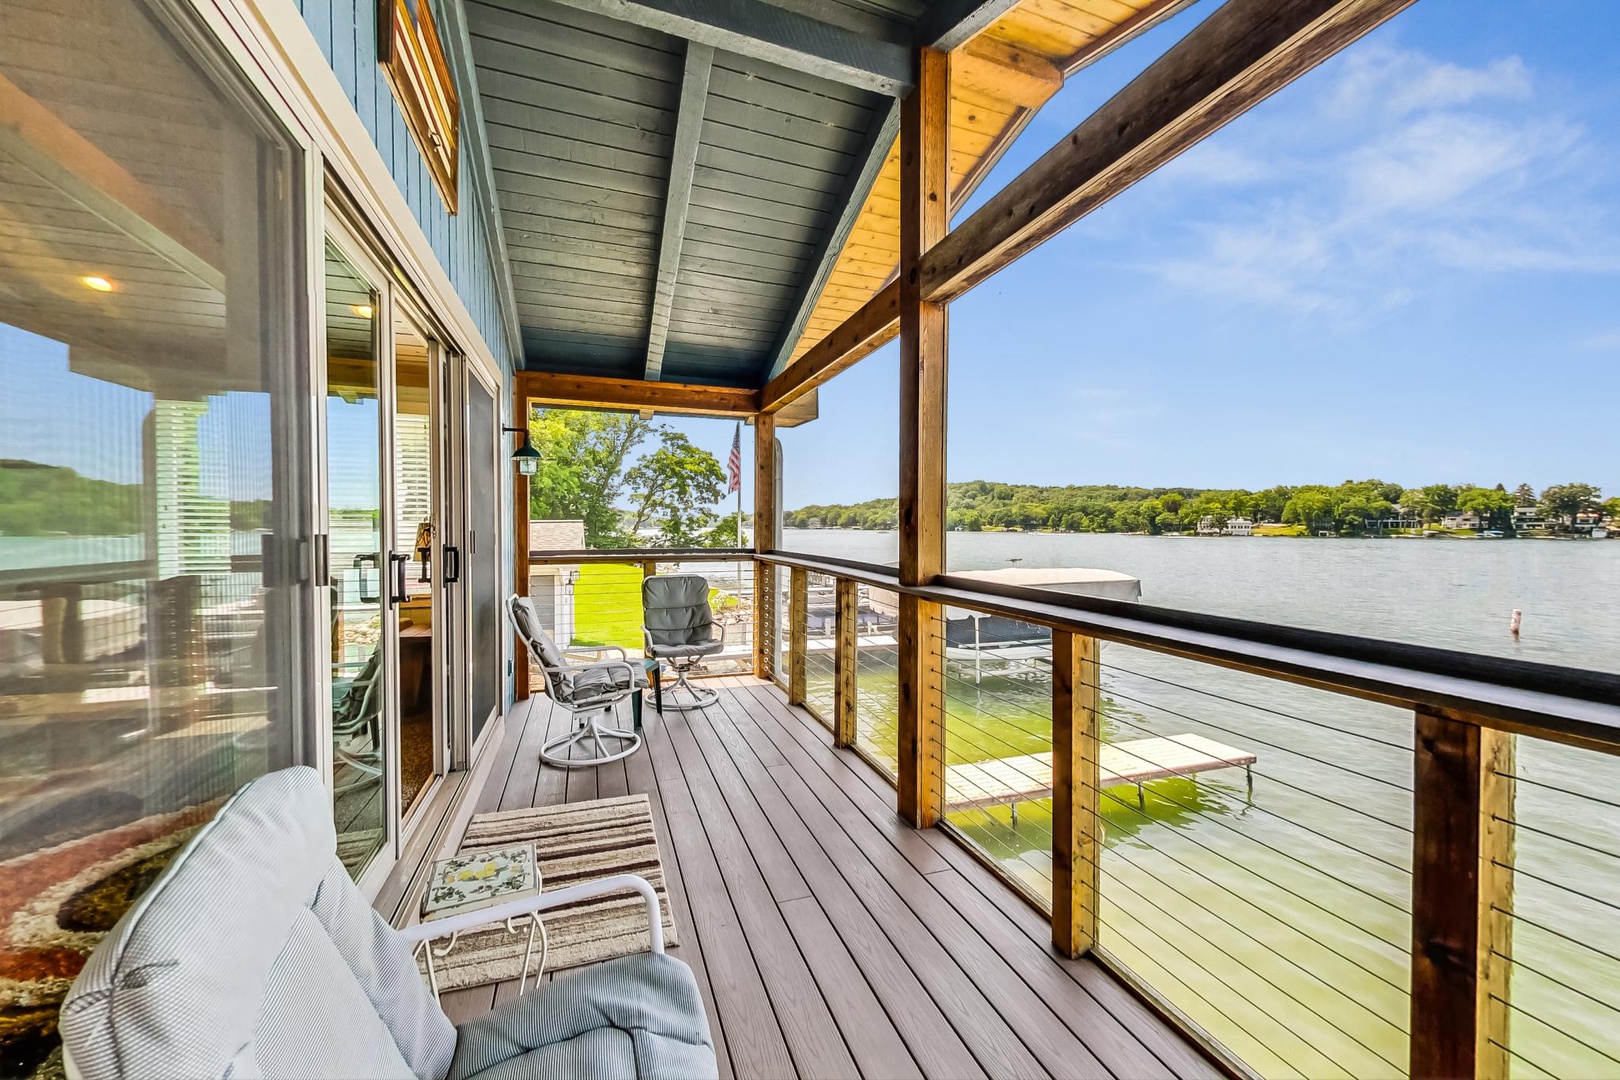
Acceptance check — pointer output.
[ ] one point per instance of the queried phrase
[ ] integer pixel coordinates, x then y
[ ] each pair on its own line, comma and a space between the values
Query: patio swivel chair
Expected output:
591, 692
680, 628
254, 954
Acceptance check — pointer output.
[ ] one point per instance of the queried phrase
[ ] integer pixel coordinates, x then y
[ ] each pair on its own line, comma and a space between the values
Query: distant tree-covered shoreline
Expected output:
1355, 507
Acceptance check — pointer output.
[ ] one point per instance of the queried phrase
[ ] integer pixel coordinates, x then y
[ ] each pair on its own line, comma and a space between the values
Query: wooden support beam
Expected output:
1076, 843
1242, 53
520, 546
869, 329
678, 199
798, 619
1461, 897
1005, 72
858, 185
774, 34
599, 392
846, 662
764, 540
924, 183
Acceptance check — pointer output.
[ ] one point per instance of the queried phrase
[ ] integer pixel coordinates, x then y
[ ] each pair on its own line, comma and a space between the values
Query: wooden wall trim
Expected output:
599, 392
1245, 51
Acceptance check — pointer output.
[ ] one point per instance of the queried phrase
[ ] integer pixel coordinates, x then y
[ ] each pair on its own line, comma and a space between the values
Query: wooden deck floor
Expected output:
829, 939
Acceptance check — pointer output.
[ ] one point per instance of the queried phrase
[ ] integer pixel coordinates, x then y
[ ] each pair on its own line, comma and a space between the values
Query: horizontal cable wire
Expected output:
1576, 1039
1240, 963
1265, 810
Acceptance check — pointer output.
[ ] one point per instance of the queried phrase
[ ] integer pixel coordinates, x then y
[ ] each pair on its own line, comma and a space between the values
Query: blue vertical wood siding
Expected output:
347, 33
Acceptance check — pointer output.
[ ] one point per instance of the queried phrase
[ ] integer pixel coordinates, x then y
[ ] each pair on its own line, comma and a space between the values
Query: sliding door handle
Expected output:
452, 564
399, 587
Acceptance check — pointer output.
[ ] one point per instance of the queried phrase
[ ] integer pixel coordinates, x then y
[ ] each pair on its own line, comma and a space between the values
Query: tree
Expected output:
1612, 508
581, 472
1359, 511
1309, 506
1563, 502
675, 487
1524, 495
1495, 508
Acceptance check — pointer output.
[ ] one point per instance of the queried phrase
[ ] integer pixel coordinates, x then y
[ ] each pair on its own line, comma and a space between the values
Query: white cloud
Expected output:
1400, 174
1603, 341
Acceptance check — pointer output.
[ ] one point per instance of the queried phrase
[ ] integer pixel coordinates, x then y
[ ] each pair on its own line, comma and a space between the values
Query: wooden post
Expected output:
798, 616
1460, 897
764, 540
520, 549
1076, 845
1497, 802
846, 662
649, 569
924, 156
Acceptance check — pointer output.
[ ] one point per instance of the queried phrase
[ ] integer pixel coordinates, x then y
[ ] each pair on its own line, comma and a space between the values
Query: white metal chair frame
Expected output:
589, 716
422, 935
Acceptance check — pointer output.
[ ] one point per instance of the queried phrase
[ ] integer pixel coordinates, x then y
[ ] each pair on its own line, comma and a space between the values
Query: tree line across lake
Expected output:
1355, 507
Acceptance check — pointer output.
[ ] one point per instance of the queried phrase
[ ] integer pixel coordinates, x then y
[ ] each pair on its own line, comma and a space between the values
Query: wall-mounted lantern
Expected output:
526, 456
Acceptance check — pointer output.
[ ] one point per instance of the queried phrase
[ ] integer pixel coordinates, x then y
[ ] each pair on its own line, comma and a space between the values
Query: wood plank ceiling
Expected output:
699, 193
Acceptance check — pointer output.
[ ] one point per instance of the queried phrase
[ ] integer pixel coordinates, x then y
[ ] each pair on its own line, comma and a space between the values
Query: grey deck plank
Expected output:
641, 780
807, 1023
753, 1032
880, 951
1126, 1019
912, 1015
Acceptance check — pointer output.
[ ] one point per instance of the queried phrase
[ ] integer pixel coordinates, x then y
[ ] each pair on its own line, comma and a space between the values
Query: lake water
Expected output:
1281, 924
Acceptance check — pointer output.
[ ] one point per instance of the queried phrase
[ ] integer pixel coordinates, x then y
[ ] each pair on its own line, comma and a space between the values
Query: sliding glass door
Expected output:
356, 578
413, 521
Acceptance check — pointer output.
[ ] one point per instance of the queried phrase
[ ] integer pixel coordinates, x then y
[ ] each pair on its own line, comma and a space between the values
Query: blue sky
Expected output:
1404, 265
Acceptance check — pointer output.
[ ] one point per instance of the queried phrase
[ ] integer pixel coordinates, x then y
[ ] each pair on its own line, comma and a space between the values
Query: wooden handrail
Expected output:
1568, 705
639, 556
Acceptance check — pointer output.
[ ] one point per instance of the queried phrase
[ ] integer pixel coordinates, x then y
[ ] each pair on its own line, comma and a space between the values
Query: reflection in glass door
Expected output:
418, 602
355, 546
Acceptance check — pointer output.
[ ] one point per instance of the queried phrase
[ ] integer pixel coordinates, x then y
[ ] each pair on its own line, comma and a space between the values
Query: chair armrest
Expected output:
417, 933
720, 626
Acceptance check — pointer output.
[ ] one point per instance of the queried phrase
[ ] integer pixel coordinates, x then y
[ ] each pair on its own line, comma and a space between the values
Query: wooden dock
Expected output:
1028, 777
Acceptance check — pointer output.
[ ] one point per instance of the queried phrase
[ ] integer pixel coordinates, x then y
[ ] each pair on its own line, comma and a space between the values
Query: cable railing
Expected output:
1328, 855
589, 601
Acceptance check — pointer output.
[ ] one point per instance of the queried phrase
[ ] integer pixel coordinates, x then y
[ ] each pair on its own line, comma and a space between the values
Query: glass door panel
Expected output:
482, 552
418, 603
355, 548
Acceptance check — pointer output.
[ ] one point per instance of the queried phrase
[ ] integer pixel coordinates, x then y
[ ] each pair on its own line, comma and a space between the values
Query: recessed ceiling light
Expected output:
96, 282
363, 310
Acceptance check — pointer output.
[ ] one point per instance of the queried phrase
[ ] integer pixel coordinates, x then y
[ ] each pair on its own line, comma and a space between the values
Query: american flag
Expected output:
734, 462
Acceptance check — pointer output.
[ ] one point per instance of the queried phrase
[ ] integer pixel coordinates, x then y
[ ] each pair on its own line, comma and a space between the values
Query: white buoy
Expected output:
1513, 624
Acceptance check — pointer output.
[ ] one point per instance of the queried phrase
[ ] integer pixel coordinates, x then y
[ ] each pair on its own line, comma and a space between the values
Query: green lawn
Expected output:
607, 605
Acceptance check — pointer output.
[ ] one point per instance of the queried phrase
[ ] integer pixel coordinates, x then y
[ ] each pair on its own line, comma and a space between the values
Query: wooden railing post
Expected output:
846, 662
924, 160
798, 618
1076, 845
1460, 852
764, 540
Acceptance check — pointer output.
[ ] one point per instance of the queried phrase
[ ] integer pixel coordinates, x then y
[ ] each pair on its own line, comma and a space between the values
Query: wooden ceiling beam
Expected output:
774, 34
599, 392
1244, 52
870, 328
678, 200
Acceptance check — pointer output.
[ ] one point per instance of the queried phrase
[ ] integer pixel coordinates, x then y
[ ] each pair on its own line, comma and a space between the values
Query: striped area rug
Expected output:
574, 842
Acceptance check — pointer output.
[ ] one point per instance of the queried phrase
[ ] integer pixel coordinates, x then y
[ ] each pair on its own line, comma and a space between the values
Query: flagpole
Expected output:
737, 441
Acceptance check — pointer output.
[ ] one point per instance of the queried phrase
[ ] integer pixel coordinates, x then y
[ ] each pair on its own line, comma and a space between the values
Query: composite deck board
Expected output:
828, 938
